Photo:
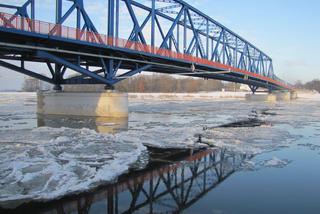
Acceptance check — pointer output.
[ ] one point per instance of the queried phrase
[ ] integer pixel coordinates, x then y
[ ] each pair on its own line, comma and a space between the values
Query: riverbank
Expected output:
206, 96
187, 96
216, 95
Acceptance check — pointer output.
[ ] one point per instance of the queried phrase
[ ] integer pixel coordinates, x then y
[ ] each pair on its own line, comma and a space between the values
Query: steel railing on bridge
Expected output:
55, 30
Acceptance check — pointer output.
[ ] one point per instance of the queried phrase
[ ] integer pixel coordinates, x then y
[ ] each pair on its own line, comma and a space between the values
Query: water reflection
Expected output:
99, 124
166, 188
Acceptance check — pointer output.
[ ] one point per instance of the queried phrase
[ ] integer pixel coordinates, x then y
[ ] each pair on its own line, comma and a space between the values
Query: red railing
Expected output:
50, 29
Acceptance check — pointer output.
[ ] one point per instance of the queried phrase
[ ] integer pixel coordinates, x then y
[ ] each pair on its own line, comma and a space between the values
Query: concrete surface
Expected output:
93, 104
261, 97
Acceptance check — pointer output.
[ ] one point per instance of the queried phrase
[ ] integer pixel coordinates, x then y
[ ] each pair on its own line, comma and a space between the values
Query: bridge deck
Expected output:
23, 36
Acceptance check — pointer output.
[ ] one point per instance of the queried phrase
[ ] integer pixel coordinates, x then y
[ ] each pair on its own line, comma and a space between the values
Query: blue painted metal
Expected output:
60, 61
26, 72
201, 36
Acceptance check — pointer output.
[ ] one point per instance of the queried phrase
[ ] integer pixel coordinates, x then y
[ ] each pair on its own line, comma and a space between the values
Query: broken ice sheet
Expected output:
47, 163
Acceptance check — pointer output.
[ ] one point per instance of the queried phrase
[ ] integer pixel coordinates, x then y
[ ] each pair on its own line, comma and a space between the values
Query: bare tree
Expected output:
167, 84
313, 85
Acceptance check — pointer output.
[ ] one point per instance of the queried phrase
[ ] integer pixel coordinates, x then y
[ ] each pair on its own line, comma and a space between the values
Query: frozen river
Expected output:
275, 150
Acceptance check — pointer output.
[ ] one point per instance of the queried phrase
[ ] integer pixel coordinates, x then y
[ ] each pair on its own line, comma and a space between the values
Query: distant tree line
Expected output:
168, 84
160, 83
156, 83
312, 85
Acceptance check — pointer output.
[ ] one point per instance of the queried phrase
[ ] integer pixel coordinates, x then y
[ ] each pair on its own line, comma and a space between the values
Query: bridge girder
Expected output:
182, 28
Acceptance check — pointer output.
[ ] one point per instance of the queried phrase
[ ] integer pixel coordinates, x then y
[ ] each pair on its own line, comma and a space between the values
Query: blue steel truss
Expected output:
174, 25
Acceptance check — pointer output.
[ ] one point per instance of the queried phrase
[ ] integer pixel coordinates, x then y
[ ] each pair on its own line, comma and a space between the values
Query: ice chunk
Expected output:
47, 163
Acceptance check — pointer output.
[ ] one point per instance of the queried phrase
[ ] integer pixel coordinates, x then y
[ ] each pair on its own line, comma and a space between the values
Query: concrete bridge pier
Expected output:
108, 103
261, 97
273, 97
293, 95
283, 95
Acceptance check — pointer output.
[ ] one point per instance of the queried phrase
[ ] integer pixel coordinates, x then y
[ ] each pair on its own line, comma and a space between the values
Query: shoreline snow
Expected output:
216, 95
188, 96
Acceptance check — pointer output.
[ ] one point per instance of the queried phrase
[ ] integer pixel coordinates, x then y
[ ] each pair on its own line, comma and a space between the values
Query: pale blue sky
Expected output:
287, 30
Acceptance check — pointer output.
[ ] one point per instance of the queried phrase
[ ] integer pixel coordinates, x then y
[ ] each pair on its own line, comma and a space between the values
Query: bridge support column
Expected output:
293, 95
57, 88
57, 77
272, 97
261, 97
94, 104
253, 88
283, 95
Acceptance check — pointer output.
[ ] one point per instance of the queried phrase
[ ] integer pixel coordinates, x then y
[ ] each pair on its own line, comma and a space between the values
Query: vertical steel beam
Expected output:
111, 18
110, 200
151, 194
185, 31
178, 37
32, 10
207, 43
117, 18
153, 14
57, 77
78, 17
236, 54
109, 67
58, 10
223, 48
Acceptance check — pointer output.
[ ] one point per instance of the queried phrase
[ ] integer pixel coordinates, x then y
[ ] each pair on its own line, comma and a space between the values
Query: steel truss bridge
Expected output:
165, 36
170, 188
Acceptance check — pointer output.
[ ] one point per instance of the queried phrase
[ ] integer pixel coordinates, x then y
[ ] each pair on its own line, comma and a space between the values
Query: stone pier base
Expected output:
261, 97
283, 96
94, 104
275, 96
293, 95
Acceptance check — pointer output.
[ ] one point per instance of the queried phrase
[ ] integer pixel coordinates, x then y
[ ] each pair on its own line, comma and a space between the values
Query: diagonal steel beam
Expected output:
170, 32
135, 20
135, 31
160, 30
195, 32
77, 68
83, 76
131, 73
26, 72
50, 69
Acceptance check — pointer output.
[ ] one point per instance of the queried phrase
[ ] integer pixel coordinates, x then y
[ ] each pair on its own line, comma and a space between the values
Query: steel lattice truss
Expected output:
209, 39
198, 45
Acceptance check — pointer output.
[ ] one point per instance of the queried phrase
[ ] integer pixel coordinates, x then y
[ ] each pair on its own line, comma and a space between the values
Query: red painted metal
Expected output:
50, 29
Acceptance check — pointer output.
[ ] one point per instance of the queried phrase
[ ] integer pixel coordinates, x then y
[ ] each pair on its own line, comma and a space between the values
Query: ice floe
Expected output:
47, 163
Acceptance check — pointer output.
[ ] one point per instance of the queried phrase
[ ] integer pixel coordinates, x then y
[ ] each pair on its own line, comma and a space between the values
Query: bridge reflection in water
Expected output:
102, 125
168, 188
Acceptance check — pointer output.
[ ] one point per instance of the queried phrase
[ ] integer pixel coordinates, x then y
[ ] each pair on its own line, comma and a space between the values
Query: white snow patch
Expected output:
253, 140
251, 165
48, 163
276, 162
188, 96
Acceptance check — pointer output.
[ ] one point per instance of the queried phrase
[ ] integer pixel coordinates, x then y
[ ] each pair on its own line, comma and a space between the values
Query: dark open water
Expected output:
265, 159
